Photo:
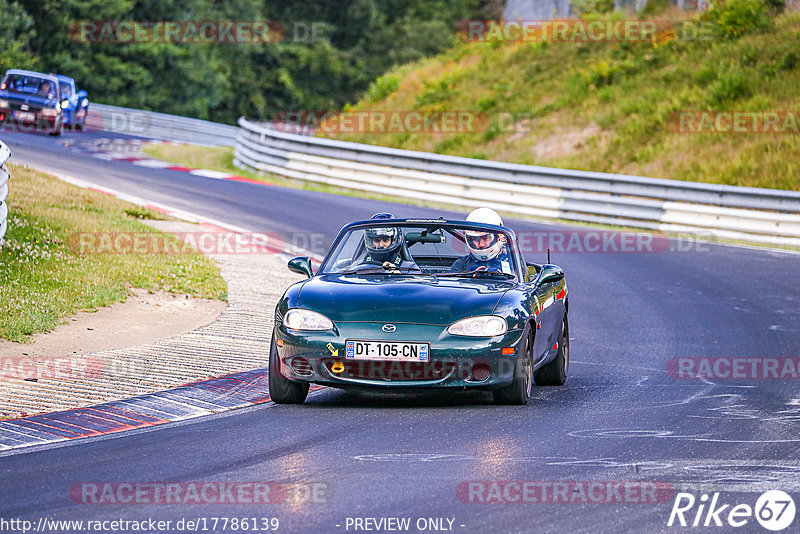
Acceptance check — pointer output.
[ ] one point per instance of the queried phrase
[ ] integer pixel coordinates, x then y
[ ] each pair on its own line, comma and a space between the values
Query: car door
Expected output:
547, 318
541, 303
559, 294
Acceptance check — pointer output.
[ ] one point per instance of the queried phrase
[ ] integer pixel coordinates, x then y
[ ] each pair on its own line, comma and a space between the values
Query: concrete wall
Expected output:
537, 9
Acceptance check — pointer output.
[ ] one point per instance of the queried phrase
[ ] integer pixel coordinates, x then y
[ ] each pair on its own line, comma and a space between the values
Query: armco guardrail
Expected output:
673, 206
5, 153
159, 126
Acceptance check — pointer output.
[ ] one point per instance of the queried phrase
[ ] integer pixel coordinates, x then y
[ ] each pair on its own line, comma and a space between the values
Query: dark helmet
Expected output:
383, 233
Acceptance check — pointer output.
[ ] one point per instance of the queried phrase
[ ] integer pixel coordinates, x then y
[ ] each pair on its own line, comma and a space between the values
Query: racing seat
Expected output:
404, 253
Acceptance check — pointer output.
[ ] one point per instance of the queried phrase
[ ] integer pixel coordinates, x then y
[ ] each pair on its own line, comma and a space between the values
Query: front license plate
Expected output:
24, 116
386, 350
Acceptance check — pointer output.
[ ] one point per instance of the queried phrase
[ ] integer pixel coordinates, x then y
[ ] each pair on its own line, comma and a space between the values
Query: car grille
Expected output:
17, 105
394, 370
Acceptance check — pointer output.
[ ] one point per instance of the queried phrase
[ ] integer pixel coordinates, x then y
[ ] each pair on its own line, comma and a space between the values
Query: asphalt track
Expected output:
620, 417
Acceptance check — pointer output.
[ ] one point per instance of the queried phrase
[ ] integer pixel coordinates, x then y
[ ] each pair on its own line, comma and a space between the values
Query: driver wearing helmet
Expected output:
487, 250
384, 246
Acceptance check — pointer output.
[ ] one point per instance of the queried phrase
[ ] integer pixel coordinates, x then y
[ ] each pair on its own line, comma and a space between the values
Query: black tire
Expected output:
518, 392
281, 389
555, 372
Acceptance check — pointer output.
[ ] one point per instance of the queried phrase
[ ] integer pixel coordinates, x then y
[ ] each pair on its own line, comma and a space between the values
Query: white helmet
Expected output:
484, 246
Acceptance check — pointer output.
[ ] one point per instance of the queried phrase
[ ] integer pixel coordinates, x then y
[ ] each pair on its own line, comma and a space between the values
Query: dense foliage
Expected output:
355, 42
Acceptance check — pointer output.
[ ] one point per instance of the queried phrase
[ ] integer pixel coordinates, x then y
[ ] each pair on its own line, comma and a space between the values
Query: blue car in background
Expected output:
31, 101
74, 103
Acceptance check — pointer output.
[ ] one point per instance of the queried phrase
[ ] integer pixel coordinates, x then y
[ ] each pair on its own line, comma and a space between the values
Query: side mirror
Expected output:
82, 94
551, 273
301, 265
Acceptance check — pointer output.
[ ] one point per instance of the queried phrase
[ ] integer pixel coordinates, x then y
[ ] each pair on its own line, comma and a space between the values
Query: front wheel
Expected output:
555, 372
281, 389
82, 124
520, 389
58, 130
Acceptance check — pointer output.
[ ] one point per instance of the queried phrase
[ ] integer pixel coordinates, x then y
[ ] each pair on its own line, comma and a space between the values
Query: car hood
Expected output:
402, 299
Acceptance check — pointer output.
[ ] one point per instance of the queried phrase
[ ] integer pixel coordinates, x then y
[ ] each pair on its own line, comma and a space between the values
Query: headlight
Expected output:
4, 104
49, 112
297, 319
64, 104
479, 326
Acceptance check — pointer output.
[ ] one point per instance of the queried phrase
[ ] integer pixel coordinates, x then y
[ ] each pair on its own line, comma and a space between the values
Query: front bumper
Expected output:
454, 361
11, 118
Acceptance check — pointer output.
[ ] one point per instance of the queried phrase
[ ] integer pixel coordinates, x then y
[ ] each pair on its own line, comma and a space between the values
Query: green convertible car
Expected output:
392, 306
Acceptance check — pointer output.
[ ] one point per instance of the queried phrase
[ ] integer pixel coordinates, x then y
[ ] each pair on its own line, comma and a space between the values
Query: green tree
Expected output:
355, 41
16, 28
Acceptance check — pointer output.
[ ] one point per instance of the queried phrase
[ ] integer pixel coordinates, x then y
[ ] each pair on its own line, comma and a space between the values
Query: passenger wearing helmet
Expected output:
384, 246
487, 250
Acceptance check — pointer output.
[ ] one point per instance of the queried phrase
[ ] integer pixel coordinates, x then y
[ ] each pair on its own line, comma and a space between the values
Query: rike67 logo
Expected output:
774, 510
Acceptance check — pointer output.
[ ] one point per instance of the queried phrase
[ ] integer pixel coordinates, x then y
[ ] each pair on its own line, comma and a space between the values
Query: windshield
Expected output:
435, 250
66, 89
30, 85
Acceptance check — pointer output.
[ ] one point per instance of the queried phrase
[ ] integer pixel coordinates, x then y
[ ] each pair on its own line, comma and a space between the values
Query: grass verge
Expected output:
45, 279
614, 106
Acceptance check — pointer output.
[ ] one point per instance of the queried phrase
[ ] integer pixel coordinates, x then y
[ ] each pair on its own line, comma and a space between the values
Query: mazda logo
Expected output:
389, 328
